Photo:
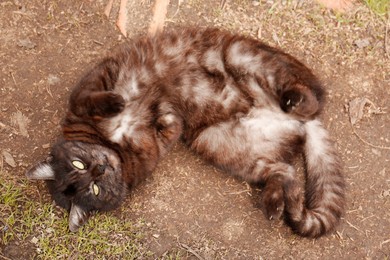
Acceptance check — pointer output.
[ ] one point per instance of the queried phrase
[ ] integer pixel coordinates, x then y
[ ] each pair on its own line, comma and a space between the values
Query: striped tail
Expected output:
320, 210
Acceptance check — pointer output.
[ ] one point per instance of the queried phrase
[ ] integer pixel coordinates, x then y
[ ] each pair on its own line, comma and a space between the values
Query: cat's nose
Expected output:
99, 170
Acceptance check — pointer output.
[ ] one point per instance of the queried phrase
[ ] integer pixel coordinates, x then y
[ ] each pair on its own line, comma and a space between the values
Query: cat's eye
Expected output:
78, 164
96, 189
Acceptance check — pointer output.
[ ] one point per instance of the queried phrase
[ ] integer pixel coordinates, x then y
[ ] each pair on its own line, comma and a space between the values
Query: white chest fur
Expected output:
121, 126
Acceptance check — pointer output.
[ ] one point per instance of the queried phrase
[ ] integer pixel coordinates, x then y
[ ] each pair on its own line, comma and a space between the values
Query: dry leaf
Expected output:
275, 38
356, 109
53, 80
20, 120
362, 43
26, 43
9, 159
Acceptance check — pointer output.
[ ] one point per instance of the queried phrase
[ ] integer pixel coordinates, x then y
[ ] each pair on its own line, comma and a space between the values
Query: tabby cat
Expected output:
244, 106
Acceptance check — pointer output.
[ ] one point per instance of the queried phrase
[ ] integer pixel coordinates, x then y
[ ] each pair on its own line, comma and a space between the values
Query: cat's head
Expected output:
82, 178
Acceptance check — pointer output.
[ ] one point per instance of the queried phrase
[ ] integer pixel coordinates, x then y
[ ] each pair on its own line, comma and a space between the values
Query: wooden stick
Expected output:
159, 14
122, 17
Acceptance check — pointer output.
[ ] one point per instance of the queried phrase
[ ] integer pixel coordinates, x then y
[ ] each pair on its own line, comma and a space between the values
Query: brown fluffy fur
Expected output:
244, 106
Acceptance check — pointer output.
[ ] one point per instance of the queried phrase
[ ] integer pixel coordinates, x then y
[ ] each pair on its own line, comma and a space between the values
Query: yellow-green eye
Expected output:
78, 165
96, 189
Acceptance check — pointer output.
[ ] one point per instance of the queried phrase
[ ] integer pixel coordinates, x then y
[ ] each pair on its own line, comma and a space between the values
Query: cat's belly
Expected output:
260, 133
268, 125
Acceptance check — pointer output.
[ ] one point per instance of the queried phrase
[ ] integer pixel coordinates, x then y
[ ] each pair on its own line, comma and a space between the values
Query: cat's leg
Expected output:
267, 71
93, 96
272, 176
169, 127
250, 157
104, 104
300, 100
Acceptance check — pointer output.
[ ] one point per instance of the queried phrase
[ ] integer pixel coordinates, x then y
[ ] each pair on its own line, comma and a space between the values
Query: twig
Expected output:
66, 44
349, 223
190, 250
384, 242
367, 218
239, 192
223, 4
339, 235
386, 36
22, 13
13, 78
177, 10
48, 90
368, 143
98, 43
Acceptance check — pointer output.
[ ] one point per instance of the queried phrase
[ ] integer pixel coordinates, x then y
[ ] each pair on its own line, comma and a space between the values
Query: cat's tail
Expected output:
319, 211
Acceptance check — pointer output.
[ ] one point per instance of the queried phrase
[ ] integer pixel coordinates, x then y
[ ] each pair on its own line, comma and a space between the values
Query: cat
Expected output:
246, 107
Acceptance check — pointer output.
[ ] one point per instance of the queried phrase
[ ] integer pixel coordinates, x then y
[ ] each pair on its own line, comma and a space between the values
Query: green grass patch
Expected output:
104, 236
44, 227
380, 7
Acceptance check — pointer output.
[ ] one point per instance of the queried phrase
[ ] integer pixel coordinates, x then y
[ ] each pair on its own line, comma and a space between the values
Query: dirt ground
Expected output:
46, 45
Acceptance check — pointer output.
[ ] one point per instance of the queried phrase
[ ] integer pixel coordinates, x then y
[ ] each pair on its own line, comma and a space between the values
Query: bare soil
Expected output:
188, 205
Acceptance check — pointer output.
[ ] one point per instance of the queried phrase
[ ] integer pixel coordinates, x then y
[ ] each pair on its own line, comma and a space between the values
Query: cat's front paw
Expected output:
106, 104
169, 127
167, 120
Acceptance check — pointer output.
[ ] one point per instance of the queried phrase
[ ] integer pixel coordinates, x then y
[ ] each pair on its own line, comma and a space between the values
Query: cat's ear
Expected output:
77, 217
42, 171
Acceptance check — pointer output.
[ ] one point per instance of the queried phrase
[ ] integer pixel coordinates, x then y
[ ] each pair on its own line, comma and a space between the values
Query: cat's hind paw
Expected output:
299, 100
273, 201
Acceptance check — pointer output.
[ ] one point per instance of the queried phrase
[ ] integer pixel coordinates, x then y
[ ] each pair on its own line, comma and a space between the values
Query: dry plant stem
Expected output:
387, 47
223, 4
108, 8
190, 250
159, 13
384, 242
353, 226
13, 78
368, 143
